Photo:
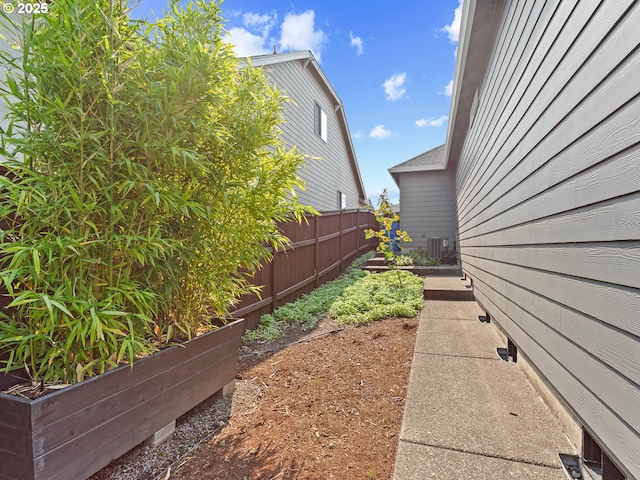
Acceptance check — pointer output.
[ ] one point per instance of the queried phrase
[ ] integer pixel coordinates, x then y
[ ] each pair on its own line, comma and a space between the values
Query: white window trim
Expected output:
321, 128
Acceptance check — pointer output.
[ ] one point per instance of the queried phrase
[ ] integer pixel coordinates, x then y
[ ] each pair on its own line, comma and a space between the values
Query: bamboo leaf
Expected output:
76, 199
13, 86
20, 300
60, 307
47, 302
36, 261
113, 313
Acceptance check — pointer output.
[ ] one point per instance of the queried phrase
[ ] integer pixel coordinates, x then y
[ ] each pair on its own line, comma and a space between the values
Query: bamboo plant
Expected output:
146, 171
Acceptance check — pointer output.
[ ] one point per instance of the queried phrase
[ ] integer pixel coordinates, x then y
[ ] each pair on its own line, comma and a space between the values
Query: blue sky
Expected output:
391, 63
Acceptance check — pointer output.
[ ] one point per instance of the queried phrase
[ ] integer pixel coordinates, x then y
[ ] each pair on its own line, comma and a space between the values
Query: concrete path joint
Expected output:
485, 454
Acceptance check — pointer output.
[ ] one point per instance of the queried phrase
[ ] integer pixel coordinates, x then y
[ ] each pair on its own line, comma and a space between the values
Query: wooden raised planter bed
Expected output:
74, 432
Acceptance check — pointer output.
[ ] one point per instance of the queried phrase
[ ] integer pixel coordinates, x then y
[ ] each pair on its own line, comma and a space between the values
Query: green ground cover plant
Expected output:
146, 171
376, 296
309, 308
403, 260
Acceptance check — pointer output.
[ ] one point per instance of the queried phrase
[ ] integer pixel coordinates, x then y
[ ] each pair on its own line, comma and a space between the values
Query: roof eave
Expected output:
480, 21
395, 176
422, 168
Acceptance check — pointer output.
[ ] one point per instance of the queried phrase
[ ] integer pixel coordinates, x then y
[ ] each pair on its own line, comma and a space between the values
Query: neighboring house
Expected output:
544, 141
317, 125
5, 46
427, 201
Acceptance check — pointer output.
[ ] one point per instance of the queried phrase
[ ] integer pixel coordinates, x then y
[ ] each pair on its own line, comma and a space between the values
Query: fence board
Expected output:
321, 250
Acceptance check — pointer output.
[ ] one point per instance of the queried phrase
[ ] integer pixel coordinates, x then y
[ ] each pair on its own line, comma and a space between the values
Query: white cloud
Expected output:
245, 43
253, 19
298, 33
432, 122
380, 132
453, 30
394, 86
264, 22
253, 38
448, 90
357, 42
359, 135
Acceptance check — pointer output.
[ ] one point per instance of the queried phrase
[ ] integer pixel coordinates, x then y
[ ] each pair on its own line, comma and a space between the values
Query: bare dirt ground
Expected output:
328, 406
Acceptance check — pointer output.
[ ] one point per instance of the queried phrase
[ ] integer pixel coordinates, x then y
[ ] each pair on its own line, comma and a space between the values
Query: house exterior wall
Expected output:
427, 206
548, 204
3, 106
5, 47
332, 173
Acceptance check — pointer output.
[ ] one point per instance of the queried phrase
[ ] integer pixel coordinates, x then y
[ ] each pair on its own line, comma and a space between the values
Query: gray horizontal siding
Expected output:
548, 202
329, 171
5, 47
532, 337
570, 336
427, 206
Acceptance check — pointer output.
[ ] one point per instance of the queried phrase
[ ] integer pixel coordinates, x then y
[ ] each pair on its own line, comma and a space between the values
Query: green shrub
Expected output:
146, 171
420, 257
376, 296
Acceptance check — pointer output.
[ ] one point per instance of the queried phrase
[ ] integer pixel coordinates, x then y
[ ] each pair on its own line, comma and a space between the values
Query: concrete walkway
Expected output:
469, 414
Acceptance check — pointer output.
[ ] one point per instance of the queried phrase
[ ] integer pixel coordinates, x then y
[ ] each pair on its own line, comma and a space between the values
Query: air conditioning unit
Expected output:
435, 246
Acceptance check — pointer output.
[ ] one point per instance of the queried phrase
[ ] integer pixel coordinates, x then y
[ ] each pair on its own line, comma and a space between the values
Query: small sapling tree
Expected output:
386, 218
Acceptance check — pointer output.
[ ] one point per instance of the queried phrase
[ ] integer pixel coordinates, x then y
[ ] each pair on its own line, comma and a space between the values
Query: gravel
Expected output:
192, 429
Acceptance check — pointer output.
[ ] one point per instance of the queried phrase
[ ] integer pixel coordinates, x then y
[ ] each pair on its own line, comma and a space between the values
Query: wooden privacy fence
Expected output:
321, 250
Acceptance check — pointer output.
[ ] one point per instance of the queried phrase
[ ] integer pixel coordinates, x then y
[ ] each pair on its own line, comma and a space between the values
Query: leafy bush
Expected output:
308, 308
419, 257
376, 296
145, 172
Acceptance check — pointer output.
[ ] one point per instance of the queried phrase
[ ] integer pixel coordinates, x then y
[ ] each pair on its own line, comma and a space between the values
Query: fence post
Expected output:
274, 290
316, 252
357, 233
341, 242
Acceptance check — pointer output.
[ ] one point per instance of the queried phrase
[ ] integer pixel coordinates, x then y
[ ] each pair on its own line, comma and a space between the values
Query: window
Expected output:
321, 123
342, 201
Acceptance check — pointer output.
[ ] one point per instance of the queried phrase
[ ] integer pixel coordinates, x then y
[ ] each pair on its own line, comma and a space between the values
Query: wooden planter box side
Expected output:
73, 433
